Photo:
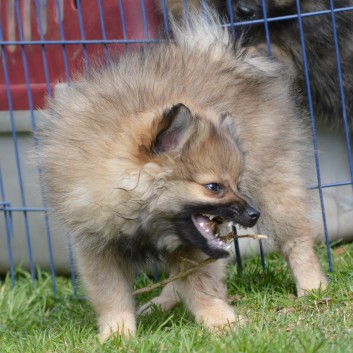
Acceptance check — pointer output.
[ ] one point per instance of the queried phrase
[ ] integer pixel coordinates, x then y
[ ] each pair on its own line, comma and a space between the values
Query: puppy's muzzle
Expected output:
245, 215
251, 215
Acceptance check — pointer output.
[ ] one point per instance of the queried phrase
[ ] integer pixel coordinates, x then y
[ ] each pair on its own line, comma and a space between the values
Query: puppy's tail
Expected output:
202, 30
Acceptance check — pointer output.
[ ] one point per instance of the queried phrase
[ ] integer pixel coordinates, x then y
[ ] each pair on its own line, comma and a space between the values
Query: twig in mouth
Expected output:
234, 235
252, 236
184, 273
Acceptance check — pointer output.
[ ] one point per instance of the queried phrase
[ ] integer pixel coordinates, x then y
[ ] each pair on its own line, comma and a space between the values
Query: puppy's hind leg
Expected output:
303, 262
287, 214
108, 287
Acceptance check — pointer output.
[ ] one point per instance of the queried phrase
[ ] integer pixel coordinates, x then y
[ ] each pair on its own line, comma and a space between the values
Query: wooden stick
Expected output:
252, 236
184, 273
179, 275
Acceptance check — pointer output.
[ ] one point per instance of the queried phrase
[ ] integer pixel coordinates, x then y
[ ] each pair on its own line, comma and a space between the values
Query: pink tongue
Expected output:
205, 224
205, 227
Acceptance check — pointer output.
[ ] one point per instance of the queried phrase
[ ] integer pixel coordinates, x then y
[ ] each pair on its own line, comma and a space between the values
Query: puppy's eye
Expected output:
214, 187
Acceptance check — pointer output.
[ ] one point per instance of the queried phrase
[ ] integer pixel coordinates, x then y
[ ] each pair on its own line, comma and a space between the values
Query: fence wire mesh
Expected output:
44, 41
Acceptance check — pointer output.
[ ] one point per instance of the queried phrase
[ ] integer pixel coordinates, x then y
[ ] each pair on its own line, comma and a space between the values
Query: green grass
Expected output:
33, 319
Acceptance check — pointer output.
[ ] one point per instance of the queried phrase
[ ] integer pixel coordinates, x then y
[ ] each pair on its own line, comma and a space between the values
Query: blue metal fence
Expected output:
8, 208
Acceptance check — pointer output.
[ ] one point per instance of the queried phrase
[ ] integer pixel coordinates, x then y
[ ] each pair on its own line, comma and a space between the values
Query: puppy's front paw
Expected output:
124, 326
218, 317
224, 328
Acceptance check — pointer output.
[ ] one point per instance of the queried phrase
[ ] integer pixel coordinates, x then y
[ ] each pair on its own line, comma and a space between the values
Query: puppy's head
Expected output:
200, 162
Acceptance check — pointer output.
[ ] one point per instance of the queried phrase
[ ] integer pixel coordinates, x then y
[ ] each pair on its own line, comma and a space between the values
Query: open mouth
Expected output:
211, 227
217, 230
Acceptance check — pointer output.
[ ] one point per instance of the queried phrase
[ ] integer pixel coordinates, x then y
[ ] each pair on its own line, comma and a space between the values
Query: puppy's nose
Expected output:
252, 214
244, 11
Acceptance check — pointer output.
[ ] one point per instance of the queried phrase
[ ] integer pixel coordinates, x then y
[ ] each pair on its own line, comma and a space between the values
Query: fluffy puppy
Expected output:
286, 42
144, 155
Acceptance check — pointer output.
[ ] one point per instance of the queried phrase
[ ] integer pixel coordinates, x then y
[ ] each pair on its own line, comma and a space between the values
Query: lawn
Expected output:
33, 319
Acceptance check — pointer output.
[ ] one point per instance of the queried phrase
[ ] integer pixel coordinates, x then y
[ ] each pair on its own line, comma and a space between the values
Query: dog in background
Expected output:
146, 155
286, 44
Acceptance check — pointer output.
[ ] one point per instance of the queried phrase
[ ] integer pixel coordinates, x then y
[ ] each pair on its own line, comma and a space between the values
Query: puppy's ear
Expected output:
175, 129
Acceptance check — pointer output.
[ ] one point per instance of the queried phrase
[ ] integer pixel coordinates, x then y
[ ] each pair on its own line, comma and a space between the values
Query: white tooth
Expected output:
211, 217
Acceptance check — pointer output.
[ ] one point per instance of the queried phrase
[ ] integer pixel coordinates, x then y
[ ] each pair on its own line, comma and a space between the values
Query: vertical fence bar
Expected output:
343, 100
62, 38
269, 51
68, 78
204, 7
231, 17
101, 18
35, 136
237, 252
144, 16
30, 102
165, 18
123, 21
34, 126
72, 265
267, 30
262, 255
44, 54
80, 20
317, 162
8, 227
17, 155
186, 11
